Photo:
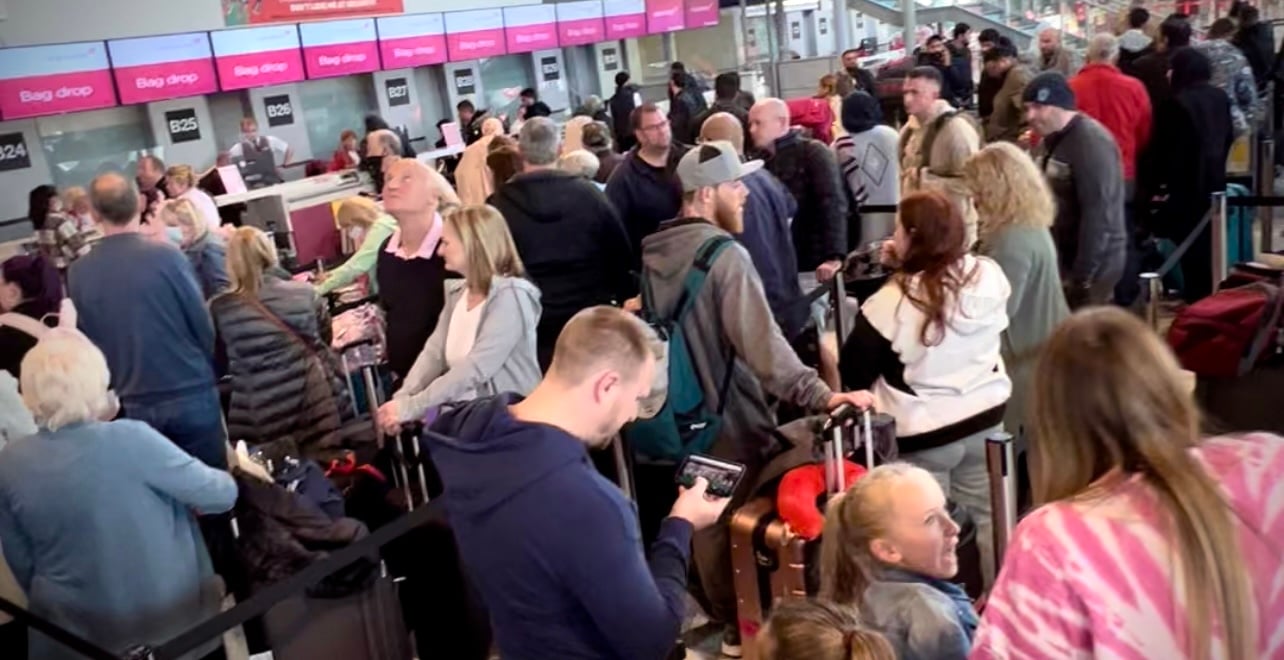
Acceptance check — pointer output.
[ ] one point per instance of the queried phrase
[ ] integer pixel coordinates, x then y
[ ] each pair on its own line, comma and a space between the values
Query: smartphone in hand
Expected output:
723, 476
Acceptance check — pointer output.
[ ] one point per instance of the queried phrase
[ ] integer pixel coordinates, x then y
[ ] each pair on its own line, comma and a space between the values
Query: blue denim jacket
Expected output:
923, 618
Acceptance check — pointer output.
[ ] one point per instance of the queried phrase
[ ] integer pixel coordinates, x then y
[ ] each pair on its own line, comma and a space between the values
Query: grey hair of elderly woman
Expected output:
65, 381
580, 163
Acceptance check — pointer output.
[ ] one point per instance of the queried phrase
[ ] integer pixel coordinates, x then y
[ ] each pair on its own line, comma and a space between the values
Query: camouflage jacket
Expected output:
1233, 75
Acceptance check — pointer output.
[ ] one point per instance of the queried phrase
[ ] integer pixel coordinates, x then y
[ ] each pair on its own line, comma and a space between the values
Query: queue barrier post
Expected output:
1266, 188
1150, 283
1218, 230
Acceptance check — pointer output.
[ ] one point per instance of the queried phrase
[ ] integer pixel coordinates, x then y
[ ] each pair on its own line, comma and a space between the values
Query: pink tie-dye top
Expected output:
1094, 579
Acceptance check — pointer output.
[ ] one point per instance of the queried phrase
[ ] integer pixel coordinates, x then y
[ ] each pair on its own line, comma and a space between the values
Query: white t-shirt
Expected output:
205, 204
462, 332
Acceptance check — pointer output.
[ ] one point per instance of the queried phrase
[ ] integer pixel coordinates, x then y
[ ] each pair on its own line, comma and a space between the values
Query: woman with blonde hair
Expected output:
889, 550
286, 382
75, 202
484, 341
181, 183
1150, 540
820, 630
472, 177
1015, 210
828, 91
203, 249
367, 226
96, 516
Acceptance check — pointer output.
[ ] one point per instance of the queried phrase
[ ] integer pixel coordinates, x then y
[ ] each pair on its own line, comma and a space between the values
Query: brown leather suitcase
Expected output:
768, 560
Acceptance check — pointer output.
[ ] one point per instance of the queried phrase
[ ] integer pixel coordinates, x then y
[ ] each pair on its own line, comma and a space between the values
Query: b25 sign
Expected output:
13, 152
278, 109
398, 91
182, 125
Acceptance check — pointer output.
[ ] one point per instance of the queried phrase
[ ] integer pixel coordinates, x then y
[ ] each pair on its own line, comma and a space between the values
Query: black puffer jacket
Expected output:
282, 534
809, 171
280, 389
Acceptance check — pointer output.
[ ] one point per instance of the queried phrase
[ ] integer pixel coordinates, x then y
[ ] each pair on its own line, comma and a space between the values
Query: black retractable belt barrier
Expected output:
56, 633
1255, 201
264, 600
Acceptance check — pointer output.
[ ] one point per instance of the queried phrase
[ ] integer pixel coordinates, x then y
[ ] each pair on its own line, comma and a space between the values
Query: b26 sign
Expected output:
278, 109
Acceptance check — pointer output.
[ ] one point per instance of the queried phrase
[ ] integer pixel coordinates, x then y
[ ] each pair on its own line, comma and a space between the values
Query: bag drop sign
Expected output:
13, 152
278, 109
549, 68
398, 91
182, 125
795, 30
465, 83
610, 59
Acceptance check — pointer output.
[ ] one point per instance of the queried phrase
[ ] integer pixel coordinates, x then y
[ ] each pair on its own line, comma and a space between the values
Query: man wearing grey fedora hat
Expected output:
1082, 164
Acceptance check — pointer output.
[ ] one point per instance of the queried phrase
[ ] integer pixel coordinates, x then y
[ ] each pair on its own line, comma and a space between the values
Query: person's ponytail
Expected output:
843, 576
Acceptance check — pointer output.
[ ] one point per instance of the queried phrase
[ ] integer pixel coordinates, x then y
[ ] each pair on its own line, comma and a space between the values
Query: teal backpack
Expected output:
683, 425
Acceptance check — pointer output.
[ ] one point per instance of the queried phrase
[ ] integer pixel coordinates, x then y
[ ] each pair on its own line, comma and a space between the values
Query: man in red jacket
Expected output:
1121, 104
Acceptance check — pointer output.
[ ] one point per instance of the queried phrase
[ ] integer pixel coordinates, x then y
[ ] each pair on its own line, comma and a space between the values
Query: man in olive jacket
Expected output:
1007, 120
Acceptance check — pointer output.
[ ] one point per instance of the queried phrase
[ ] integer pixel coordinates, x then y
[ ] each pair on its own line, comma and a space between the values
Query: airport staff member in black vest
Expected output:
252, 142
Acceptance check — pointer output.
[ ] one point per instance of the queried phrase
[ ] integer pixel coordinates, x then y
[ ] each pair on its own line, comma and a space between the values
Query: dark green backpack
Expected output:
684, 424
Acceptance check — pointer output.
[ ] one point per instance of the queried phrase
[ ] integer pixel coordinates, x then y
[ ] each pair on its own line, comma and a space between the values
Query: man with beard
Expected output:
643, 188
853, 77
1084, 169
554, 547
736, 347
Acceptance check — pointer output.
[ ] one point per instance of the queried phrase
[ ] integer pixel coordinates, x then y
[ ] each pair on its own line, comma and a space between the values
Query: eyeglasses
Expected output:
655, 127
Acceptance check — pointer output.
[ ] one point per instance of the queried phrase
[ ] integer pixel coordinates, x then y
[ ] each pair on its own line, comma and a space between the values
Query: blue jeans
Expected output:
192, 419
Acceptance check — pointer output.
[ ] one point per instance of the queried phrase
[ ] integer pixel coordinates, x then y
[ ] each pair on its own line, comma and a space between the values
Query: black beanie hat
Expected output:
1049, 88
861, 112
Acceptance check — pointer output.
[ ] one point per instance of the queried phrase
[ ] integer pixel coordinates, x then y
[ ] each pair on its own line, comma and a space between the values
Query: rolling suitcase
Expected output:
769, 559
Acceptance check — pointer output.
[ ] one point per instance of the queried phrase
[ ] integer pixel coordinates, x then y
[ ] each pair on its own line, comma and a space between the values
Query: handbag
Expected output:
318, 390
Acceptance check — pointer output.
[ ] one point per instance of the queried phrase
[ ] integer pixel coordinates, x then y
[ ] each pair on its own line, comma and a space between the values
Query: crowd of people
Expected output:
520, 304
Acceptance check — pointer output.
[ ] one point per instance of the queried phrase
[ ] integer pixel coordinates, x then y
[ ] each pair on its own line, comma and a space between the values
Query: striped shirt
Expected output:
1095, 578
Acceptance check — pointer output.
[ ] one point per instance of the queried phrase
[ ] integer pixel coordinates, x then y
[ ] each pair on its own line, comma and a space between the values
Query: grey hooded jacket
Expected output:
731, 326
502, 359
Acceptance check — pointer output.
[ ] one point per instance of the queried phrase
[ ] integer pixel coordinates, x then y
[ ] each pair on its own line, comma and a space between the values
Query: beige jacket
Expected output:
473, 179
954, 144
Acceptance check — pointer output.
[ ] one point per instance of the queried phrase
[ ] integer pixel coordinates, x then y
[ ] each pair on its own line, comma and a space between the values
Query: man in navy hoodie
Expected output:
554, 547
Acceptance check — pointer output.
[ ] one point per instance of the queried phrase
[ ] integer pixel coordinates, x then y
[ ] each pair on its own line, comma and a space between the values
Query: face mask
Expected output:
174, 234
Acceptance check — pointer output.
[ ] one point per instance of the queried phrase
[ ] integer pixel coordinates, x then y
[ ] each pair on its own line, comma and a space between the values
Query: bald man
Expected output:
1053, 56
129, 287
411, 274
767, 213
809, 171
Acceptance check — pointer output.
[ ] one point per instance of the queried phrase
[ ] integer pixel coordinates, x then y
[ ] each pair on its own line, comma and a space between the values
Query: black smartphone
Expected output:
723, 476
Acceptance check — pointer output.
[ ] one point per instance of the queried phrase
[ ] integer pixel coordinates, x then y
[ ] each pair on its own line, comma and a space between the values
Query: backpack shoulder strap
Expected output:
24, 324
696, 275
929, 135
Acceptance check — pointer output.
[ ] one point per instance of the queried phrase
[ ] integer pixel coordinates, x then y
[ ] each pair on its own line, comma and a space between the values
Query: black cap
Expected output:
1049, 88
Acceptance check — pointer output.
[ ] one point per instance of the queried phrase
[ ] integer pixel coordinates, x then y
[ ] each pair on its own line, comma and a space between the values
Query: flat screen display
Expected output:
530, 27
474, 34
339, 48
257, 57
410, 41
49, 80
159, 68
580, 23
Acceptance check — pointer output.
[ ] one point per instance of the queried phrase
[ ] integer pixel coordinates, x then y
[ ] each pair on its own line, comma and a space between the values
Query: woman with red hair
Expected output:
927, 346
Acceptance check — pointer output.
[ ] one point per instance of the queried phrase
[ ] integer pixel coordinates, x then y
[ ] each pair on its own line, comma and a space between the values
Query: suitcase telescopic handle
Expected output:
1000, 460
